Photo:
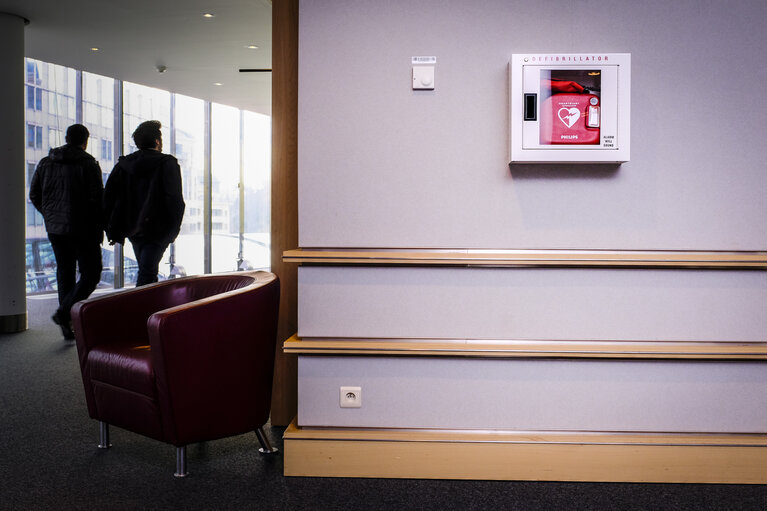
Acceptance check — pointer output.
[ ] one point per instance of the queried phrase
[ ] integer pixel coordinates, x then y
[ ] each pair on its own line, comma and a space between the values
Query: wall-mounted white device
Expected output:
568, 108
423, 77
423, 72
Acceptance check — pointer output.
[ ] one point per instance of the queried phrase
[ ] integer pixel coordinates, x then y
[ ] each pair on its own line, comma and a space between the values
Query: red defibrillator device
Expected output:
570, 115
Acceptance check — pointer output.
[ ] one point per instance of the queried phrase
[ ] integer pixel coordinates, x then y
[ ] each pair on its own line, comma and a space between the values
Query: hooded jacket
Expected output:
67, 188
143, 198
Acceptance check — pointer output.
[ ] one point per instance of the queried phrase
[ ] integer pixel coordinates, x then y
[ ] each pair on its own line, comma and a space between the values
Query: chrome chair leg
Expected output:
266, 447
104, 435
181, 462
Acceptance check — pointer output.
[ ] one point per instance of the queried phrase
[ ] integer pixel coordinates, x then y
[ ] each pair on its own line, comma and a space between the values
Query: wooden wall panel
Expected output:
284, 228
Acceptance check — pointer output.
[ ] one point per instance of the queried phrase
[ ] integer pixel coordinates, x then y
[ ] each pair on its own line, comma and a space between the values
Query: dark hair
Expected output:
146, 134
77, 135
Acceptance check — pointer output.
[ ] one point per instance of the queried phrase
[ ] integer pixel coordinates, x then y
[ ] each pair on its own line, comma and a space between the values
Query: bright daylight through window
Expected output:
238, 194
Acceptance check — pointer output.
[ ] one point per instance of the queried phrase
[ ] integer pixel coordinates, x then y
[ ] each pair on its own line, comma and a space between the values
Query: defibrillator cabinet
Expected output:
569, 108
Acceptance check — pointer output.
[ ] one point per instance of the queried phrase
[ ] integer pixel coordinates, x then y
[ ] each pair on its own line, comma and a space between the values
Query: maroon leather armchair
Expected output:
181, 361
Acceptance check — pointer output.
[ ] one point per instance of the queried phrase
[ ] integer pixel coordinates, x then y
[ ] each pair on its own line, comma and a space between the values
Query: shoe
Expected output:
66, 328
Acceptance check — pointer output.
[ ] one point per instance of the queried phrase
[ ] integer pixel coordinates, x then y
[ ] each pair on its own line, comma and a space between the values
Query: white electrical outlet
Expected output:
351, 397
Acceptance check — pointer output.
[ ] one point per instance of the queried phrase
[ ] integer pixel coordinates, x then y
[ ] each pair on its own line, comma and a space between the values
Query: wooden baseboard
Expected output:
532, 456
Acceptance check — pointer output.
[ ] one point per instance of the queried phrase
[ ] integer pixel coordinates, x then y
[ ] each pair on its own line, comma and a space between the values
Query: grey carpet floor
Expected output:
49, 460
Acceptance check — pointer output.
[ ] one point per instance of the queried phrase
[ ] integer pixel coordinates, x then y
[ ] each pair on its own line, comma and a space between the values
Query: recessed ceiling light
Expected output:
94, 49
208, 15
218, 83
252, 47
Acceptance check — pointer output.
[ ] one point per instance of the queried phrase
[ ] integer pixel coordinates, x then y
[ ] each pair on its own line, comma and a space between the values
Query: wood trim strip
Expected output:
512, 258
543, 456
529, 349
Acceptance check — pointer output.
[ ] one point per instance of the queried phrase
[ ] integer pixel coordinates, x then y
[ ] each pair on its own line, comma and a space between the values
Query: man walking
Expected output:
66, 188
143, 201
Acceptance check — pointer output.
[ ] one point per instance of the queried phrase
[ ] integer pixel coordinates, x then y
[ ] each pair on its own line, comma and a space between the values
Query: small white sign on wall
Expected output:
570, 108
423, 61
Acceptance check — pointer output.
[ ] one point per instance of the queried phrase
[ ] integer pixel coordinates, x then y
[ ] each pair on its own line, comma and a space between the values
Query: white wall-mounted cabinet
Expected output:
570, 108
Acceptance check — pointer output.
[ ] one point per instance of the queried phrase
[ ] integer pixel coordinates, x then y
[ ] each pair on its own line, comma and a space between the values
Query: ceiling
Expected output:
134, 38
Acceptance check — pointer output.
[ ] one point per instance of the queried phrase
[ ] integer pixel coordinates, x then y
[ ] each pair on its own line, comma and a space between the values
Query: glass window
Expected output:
59, 106
106, 150
225, 170
33, 72
33, 216
63, 80
92, 113
34, 136
47, 259
146, 104
141, 104
55, 137
240, 172
52, 106
45, 115
190, 151
30, 258
98, 117
31, 166
60, 86
257, 155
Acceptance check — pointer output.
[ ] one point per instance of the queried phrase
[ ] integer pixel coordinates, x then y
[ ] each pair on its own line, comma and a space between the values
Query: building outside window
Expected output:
99, 117
142, 104
106, 149
33, 72
190, 136
31, 166
240, 172
56, 138
30, 135
34, 98
257, 164
34, 136
226, 201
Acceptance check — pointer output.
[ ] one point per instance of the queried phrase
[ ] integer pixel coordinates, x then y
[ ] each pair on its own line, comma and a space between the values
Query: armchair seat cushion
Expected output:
126, 365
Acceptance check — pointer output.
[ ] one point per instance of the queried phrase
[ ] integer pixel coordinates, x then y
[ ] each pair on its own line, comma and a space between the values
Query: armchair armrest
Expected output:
214, 361
119, 316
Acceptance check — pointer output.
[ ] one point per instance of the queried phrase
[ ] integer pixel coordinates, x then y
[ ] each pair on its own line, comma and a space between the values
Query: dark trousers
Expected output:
72, 253
148, 256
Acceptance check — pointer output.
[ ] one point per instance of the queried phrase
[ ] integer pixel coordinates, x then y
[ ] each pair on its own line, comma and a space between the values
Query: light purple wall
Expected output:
574, 395
383, 166
533, 303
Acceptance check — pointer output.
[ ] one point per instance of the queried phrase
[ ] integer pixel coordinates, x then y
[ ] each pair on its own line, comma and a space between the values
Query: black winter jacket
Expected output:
67, 188
143, 198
